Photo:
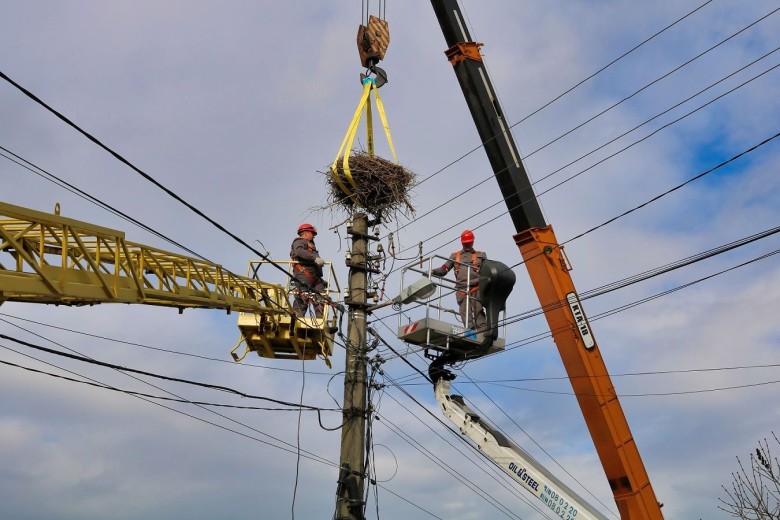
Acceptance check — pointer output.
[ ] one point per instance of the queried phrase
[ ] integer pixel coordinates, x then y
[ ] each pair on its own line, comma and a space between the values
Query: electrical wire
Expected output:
667, 393
570, 89
209, 386
628, 212
309, 455
647, 275
668, 110
675, 188
648, 394
611, 375
37, 170
547, 453
636, 278
159, 397
483, 415
591, 119
601, 161
449, 470
648, 85
159, 349
62, 183
503, 475
635, 303
138, 394
140, 172
507, 484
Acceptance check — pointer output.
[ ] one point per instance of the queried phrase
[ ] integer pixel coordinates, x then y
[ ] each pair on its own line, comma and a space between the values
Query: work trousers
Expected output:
307, 293
472, 313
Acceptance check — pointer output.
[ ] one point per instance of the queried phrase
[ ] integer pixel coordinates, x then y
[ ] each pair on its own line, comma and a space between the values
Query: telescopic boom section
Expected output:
549, 272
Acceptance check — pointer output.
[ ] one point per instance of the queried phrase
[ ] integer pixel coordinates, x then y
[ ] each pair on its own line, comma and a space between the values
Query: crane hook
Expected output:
380, 76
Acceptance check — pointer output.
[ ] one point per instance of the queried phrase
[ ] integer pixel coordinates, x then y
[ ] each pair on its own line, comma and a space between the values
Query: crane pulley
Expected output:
372, 42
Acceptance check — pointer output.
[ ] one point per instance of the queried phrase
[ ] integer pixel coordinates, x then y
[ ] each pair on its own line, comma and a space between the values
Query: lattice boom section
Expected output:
47, 258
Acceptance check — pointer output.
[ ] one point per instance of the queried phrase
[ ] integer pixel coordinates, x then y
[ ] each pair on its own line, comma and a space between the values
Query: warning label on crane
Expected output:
580, 320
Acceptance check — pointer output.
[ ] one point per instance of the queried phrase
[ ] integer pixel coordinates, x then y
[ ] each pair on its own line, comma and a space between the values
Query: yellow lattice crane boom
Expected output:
48, 258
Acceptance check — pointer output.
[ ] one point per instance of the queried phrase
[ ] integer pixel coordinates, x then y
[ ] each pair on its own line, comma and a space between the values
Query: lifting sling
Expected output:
347, 184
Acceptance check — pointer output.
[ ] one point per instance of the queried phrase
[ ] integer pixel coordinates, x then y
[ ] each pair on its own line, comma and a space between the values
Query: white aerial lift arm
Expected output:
555, 496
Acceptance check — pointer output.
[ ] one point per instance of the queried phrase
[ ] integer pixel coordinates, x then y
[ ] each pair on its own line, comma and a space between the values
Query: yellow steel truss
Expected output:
47, 258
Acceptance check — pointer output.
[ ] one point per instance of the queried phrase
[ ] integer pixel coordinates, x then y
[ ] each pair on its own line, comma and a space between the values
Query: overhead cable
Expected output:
309, 455
141, 172
152, 374
601, 161
160, 349
666, 75
94, 200
163, 398
481, 145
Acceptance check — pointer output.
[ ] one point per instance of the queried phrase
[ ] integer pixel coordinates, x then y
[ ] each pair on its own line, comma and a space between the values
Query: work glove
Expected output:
319, 261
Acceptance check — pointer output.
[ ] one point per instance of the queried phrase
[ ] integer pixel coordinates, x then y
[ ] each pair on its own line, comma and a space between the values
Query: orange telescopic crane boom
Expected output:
549, 269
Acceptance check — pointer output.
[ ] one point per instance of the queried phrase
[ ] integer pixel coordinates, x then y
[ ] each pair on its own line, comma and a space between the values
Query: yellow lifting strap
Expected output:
369, 85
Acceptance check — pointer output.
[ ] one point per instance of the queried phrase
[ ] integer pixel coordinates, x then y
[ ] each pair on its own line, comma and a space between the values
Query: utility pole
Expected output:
350, 492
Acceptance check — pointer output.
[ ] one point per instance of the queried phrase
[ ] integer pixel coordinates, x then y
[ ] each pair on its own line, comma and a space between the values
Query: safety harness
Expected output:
474, 266
297, 267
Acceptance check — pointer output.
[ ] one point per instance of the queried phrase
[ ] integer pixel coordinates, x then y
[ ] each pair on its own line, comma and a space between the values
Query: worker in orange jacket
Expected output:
307, 272
466, 264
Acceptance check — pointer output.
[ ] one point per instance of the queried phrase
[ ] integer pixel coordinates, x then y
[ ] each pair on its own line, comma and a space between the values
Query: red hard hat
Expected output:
467, 237
307, 227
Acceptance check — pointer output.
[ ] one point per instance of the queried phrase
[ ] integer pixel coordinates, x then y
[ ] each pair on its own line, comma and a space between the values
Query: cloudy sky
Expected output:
237, 106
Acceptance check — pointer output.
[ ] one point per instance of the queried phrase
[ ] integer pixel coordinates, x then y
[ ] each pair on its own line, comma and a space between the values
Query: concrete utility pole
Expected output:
350, 492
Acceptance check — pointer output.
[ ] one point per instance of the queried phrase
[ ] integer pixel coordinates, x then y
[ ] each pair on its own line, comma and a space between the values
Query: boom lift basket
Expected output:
433, 322
282, 335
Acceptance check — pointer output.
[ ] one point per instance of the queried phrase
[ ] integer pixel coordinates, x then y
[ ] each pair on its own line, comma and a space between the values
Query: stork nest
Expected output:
381, 186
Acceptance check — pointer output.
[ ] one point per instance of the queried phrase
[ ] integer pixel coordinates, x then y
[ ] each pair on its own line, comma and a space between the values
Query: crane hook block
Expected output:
372, 41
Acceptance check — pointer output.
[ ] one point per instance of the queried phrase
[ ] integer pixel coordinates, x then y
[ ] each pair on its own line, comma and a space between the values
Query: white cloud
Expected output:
237, 106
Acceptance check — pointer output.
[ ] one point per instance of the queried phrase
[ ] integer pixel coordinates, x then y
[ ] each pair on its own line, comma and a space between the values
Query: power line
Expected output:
666, 75
163, 398
152, 374
532, 440
86, 196
664, 112
664, 393
612, 375
608, 313
310, 455
397, 385
159, 349
570, 89
651, 273
437, 460
646, 203
301, 453
591, 119
646, 394
141, 172
675, 188
497, 203
640, 277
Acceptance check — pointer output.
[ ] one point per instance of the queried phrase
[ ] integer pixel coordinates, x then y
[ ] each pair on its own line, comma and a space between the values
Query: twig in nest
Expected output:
381, 186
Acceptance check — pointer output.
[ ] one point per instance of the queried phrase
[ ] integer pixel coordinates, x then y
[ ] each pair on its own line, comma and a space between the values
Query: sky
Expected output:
238, 107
